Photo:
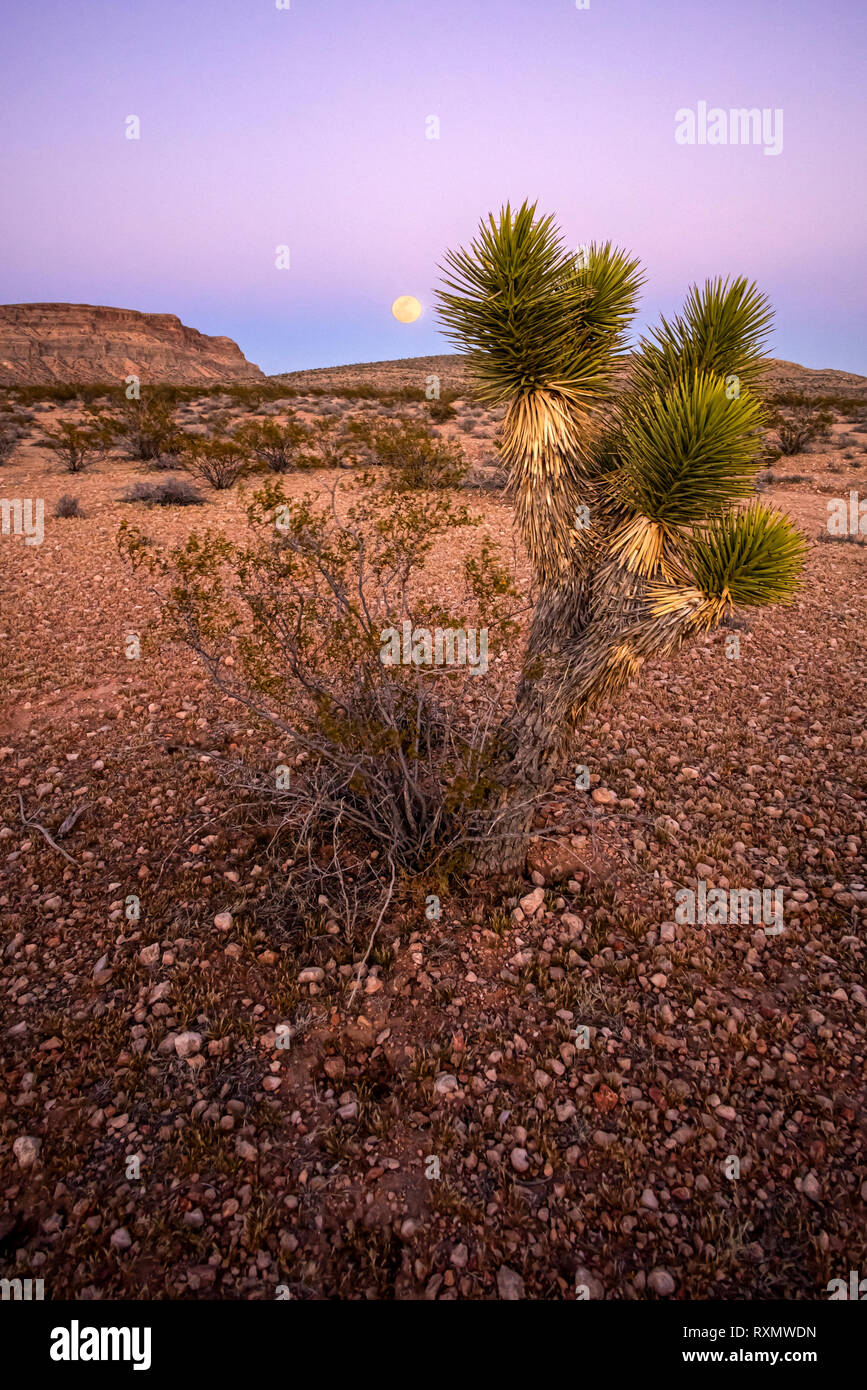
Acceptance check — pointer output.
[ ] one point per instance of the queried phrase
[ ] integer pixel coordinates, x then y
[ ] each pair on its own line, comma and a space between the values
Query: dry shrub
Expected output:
68, 506
8, 442
275, 446
147, 428
419, 459
171, 492
798, 429
218, 462
79, 446
442, 410
392, 759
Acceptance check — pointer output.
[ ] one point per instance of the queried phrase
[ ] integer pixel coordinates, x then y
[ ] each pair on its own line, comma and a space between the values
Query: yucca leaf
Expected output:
531, 319
748, 558
688, 452
722, 332
612, 279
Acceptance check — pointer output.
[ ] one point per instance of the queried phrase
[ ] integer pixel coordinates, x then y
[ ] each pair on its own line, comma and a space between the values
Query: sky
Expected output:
308, 127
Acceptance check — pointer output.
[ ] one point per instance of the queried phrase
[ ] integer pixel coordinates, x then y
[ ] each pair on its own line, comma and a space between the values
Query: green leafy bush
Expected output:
78, 446
418, 458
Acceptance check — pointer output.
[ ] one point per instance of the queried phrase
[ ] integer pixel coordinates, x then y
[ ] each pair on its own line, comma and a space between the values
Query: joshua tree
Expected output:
629, 504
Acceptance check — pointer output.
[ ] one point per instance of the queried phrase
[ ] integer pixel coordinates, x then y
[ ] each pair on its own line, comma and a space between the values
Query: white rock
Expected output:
510, 1285
188, 1043
26, 1150
445, 1084
532, 902
585, 1281
311, 975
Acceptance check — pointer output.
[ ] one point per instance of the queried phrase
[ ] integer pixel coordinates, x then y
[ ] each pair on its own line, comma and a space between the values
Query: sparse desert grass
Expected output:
171, 492
68, 506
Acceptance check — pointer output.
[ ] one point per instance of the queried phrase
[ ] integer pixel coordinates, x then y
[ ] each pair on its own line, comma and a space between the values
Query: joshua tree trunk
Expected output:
532, 747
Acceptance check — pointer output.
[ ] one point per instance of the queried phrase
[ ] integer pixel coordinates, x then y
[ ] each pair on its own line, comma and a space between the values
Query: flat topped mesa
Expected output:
95, 343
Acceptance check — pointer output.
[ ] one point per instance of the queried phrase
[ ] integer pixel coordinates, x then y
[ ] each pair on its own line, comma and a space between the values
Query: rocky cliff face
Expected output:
86, 343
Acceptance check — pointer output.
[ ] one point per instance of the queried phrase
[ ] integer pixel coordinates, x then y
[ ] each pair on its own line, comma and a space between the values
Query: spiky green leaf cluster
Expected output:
751, 557
721, 331
611, 279
529, 317
689, 452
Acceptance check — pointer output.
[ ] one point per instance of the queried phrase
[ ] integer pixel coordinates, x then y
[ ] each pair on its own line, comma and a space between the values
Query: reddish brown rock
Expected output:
86, 343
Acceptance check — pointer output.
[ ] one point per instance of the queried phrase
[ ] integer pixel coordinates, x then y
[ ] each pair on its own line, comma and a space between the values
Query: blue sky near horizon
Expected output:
306, 127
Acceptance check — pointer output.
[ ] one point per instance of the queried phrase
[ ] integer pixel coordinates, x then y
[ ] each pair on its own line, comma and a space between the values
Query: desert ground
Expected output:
436, 1133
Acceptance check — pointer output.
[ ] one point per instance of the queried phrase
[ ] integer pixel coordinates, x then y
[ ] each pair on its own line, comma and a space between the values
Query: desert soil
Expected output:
446, 1135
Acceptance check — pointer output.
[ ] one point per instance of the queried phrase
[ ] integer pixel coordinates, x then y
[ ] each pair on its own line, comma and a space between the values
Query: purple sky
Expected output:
306, 127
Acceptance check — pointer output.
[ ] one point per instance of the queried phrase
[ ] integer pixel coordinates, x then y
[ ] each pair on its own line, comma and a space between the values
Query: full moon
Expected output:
406, 308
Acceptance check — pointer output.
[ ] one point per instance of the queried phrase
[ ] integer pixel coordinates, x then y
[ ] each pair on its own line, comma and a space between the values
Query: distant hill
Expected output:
42, 343
452, 370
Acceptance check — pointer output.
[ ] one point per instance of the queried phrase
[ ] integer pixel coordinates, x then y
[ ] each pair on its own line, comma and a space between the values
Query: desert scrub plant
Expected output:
384, 762
798, 429
418, 458
629, 504
8, 442
68, 506
218, 462
441, 410
78, 446
170, 492
325, 447
146, 428
275, 446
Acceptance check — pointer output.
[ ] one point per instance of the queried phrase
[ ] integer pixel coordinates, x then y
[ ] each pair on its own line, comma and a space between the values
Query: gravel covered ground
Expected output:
555, 1086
